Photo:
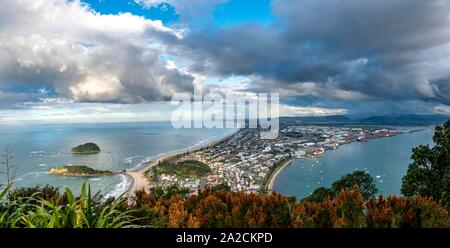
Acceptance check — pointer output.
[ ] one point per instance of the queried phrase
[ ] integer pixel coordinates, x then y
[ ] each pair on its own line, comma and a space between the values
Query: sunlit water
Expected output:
386, 159
37, 148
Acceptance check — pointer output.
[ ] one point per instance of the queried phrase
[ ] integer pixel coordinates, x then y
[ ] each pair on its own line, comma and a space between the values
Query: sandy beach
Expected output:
138, 176
274, 176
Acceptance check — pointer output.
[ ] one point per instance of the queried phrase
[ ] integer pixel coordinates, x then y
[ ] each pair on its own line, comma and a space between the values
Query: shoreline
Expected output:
138, 177
140, 181
274, 176
271, 183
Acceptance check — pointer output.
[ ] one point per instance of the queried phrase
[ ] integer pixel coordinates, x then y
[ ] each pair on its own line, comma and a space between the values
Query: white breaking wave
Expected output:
35, 174
129, 160
36, 152
148, 160
120, 188
46, 154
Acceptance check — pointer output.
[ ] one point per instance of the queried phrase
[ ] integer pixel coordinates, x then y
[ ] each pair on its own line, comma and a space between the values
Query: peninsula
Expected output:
245, 162
78, 171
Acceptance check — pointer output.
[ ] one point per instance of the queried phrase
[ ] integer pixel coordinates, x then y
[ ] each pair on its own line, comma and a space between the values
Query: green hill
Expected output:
87, 148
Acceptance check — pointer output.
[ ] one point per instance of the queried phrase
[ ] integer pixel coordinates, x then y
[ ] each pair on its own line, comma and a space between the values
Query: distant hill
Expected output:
320, 119
400, 120
409, 119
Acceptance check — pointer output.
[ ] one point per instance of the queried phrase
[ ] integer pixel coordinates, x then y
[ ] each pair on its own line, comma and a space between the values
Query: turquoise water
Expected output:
386, 159
37, 148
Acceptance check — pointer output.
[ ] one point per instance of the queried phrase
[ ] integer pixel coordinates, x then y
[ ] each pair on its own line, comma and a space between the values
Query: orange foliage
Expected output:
241, 209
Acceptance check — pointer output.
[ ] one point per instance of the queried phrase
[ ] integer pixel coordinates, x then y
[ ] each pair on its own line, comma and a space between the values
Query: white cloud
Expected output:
291, 111
103, 88
187, 9
442, 109
56, 110
329, 90
84, 55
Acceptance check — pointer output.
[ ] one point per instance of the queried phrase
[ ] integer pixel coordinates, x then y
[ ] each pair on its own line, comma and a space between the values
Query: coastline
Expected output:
271, 183
138, 178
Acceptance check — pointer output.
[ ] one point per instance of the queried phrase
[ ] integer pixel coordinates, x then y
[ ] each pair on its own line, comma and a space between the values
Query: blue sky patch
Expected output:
237, 12
164, 12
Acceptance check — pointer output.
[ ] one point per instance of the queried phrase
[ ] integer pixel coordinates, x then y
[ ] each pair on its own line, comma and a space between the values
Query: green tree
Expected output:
222, 186
362, 179
167, 193
320, 194
429, 173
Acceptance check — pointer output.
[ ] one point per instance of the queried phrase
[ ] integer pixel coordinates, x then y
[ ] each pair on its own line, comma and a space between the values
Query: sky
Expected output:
110, 60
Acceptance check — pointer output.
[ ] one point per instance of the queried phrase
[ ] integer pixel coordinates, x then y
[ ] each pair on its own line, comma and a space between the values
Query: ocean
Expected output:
37, 148
386, 159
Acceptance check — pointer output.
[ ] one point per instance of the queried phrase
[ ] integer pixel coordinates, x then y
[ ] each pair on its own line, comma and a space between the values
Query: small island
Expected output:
88, 148
78, 171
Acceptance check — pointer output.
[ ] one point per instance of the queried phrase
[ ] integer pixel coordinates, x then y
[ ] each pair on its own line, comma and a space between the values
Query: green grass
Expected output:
186, 168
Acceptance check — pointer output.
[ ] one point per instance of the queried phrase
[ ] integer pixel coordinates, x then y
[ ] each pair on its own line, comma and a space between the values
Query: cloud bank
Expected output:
341, 50
329, 56
68, 50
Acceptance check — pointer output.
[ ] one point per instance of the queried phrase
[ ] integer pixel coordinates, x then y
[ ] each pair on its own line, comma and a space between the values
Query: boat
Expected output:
319, 151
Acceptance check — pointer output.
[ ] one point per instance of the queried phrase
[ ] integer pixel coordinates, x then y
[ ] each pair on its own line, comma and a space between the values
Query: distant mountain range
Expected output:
407, 119
404, 120
319, 119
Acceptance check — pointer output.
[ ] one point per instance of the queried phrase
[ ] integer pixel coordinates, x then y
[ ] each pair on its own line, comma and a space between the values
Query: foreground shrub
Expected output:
39, 209
396, 211
45, 207
345, 210
239, 209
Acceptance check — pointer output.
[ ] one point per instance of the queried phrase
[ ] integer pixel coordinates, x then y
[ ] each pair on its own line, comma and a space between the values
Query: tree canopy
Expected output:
86, 148
429, 173
361, 179
222, 186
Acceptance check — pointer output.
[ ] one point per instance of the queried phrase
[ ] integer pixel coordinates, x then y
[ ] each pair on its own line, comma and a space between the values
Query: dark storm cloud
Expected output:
338, 49
367, 26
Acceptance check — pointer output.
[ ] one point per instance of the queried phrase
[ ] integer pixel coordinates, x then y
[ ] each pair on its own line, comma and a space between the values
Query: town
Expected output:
246, 163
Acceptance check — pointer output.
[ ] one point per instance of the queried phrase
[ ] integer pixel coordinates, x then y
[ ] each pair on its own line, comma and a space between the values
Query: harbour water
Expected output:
386, 159
37, 148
